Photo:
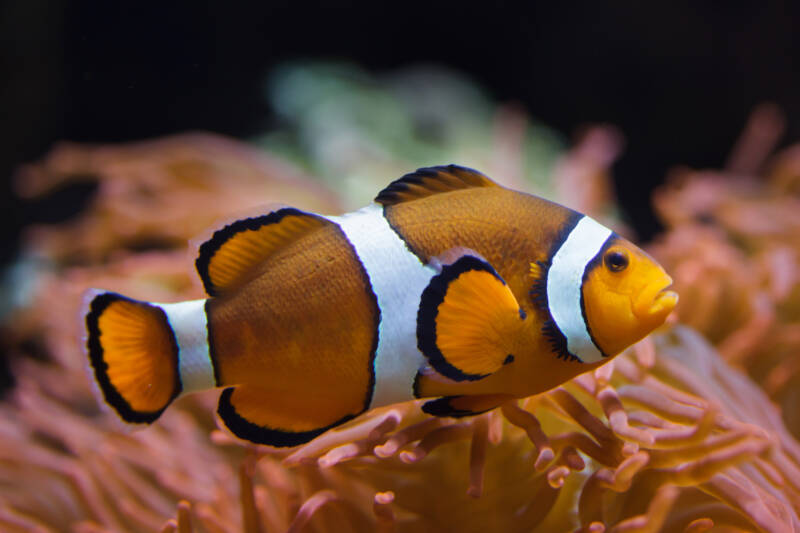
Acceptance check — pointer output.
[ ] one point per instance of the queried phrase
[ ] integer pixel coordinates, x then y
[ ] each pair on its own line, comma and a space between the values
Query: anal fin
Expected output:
277, 419
460, 406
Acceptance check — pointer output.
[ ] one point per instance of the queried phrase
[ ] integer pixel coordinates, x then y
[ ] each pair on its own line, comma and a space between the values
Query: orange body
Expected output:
448, 287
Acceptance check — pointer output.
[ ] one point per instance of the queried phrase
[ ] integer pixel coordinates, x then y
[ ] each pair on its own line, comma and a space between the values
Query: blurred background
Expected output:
677, 78
126, 130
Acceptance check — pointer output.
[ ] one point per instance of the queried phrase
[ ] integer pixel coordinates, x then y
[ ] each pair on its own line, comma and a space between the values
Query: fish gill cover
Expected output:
680, 433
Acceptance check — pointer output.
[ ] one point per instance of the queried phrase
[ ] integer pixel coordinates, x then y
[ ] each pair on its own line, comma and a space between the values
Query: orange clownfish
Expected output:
448, 287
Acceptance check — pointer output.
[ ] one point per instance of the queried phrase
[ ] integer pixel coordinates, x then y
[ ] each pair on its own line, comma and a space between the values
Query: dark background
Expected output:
679, 78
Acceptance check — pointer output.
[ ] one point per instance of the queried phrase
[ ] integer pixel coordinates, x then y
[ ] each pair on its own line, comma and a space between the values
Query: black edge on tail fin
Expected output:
133, 339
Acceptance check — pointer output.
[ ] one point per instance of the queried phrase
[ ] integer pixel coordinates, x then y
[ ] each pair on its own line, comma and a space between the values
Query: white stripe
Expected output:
189, 324
564, 280
398, 278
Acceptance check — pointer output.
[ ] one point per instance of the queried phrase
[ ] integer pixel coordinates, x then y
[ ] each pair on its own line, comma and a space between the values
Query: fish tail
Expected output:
133, 353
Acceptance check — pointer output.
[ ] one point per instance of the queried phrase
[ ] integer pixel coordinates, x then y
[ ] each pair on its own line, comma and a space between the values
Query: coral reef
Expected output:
670, 436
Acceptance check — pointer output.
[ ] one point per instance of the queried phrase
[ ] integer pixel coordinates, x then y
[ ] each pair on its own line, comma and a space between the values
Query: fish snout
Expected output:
656, 301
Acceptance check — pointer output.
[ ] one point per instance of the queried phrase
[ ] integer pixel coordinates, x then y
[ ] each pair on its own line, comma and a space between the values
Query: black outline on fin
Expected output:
246, 430
432, 298
417, 384
221, 236
467, 176
441, 407
95, 351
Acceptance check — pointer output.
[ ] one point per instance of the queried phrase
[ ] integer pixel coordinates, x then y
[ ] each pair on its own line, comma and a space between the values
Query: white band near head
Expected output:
189, 324
564, 281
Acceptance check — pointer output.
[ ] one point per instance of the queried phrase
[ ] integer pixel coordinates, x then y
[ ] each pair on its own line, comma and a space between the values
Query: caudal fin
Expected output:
134, 355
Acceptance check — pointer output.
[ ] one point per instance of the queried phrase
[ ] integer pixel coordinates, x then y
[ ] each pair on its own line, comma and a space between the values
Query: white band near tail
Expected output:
564, 281
398, 278
189, 324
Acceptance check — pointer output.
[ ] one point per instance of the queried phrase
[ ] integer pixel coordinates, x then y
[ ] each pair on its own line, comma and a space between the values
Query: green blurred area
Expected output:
354, 130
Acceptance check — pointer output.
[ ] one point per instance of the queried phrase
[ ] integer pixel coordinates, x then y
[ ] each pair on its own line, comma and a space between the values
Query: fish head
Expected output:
625, 295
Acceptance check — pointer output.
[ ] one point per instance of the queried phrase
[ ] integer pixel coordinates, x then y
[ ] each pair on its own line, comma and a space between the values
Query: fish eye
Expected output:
616, 261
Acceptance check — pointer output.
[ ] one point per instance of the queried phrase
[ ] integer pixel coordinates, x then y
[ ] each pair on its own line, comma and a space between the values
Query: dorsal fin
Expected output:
432, 180
232, 255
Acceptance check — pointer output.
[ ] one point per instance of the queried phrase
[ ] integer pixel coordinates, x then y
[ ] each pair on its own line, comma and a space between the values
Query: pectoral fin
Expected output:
467, 318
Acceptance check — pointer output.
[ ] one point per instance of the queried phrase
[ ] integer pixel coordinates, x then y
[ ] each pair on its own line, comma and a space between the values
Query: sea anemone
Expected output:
667, 437
733, 248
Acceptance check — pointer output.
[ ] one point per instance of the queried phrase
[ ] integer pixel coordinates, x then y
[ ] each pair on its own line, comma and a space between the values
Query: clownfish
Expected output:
448, 287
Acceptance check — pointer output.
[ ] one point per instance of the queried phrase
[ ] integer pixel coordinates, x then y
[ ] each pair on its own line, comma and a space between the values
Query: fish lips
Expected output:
656, 301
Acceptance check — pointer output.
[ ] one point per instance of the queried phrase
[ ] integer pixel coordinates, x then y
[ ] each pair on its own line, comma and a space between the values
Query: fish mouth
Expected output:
664, 302
657, 300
